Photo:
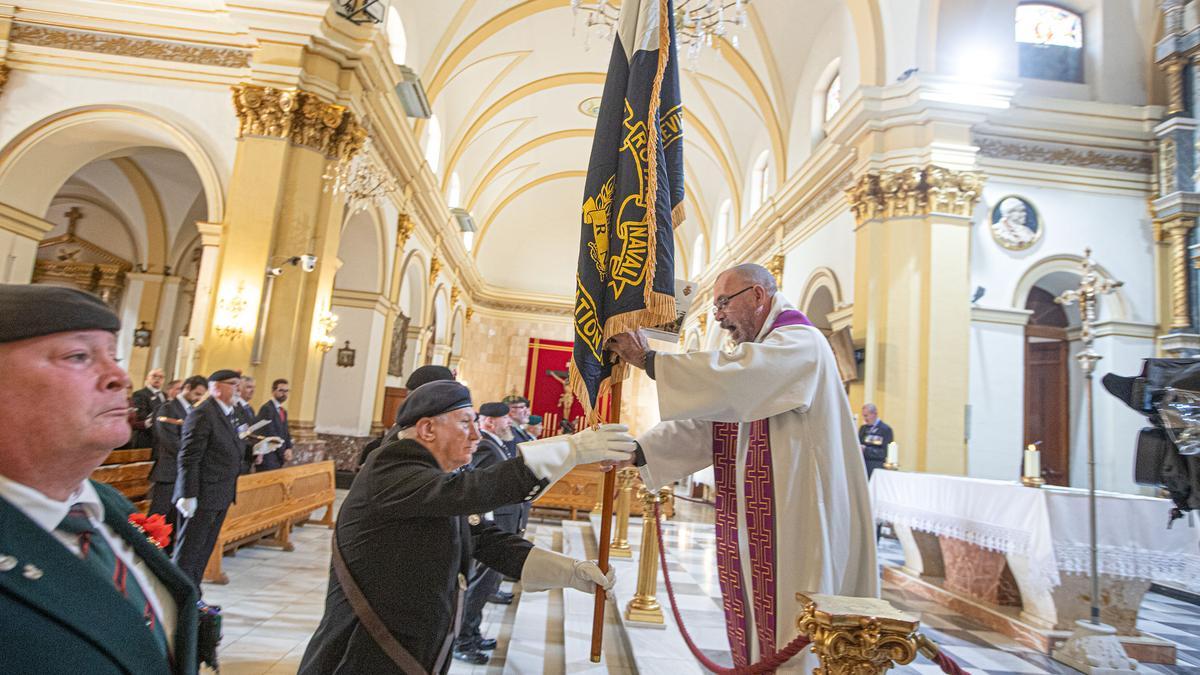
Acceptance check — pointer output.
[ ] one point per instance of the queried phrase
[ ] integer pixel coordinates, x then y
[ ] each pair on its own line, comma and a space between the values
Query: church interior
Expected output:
985, 206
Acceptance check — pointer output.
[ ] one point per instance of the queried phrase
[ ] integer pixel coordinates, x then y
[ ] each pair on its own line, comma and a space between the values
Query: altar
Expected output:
1016, 559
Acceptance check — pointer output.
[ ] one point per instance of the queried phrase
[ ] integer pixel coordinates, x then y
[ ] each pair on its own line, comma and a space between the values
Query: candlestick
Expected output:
1031, 474
892, 463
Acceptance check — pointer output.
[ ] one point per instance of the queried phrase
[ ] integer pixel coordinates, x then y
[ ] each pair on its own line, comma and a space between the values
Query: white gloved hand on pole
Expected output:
544, 570
551, 458
186, 506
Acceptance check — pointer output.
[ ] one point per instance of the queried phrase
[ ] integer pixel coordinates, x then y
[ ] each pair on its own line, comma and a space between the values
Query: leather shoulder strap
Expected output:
370, 620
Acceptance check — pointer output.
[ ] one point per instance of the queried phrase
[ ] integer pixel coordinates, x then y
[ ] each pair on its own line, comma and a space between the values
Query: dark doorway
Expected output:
1047, 388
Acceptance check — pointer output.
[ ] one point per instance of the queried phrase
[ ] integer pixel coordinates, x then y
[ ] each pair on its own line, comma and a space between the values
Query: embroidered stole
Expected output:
759, 490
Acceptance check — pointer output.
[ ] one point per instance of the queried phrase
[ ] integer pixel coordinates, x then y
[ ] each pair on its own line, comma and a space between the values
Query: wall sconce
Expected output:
228, 320
142, 335
345, 356
328, 322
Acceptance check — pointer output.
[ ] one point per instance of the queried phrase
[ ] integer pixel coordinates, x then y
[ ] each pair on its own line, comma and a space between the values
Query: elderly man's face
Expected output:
247, 390
870, 415
519, 412
224, 390
154, 380
739, 306
71, 393
451, 437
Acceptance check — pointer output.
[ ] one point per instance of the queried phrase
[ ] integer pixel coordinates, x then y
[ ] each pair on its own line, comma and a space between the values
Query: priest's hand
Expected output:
631, 347
544, 570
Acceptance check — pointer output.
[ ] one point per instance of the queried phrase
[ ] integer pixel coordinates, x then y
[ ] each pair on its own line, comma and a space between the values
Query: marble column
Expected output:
168, 300
206, 279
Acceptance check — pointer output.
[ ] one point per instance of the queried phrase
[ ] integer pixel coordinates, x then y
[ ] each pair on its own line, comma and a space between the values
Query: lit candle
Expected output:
893, 454
1033, 462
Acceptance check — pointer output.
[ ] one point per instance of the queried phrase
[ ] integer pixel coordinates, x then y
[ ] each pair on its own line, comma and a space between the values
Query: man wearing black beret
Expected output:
420, 376
409, 528
210, 459
64, 538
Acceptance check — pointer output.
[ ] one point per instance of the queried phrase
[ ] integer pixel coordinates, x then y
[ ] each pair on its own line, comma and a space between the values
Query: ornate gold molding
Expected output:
301, 117
1061, 154
915, 191
455, 292
857, 636
435, 266
469, 314
3, 76
135, 47
404, 230
775, 267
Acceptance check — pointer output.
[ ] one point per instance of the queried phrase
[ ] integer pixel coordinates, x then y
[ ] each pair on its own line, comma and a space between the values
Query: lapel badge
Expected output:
7, 562
32, 572
474, 519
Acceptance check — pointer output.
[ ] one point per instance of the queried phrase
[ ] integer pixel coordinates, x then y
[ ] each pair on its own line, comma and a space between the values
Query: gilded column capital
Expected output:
435, 266
470, 313
915, 191
455, 292
404, 229
775, 267
626, 477
301, 117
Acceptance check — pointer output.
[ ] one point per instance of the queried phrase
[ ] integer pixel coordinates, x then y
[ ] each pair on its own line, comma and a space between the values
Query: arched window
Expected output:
433, 143
724, 222
698, 251
397, 40
760, 181
454, 193
833, 97
468, 240
1049, 42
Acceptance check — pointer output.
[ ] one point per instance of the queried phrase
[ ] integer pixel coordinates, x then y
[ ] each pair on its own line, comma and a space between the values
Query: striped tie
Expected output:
95, 550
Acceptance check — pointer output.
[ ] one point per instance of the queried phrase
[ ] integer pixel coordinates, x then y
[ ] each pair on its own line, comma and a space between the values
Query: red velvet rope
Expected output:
770, 663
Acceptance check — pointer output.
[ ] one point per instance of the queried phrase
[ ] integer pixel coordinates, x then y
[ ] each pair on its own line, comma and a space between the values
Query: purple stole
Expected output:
759, 489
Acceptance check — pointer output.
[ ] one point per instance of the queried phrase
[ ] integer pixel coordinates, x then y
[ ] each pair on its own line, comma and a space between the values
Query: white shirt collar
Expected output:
187, 407
227, 409
278, 405
47, 513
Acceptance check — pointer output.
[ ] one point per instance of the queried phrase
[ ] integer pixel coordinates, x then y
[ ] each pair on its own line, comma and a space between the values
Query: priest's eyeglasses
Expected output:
722, 302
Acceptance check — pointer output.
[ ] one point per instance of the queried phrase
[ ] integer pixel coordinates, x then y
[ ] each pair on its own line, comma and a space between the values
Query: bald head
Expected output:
752, 274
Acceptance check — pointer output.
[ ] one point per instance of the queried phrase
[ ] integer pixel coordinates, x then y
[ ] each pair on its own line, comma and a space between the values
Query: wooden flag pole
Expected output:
606, 518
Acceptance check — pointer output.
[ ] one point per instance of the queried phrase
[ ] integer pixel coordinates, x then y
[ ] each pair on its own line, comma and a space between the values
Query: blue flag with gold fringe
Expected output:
633, 197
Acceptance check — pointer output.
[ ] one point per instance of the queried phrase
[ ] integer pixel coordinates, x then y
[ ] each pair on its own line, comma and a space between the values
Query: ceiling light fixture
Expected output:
360, 179
697, 22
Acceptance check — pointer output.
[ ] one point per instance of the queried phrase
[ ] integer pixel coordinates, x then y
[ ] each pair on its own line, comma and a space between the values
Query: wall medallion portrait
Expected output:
1016, 225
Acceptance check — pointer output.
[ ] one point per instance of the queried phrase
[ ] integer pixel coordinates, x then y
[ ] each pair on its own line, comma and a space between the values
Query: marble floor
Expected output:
275, 599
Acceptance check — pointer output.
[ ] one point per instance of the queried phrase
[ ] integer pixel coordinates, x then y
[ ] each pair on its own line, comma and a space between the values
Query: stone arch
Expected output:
38, 161
361, 249
441, 314
414, 287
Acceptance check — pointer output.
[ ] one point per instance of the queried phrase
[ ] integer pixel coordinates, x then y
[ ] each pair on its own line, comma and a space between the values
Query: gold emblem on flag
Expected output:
596, 212
587, 319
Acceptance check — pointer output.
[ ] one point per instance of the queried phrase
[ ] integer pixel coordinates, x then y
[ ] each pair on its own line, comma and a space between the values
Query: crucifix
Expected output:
567, 399
74, 215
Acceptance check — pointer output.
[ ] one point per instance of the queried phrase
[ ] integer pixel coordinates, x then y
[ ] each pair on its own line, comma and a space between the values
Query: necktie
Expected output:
283, 415
95, 550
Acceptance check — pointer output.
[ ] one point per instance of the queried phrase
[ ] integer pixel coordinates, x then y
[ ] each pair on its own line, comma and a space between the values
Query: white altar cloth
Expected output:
1048, 525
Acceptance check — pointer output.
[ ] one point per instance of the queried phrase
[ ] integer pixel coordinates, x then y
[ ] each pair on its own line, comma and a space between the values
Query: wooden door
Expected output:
1047, 405
392, 398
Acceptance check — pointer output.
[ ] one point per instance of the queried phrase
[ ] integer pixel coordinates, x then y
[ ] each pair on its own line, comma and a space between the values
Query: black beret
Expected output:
33, 310
224, 374
431, 400
427, 374
535, 419
493, 410
513, 399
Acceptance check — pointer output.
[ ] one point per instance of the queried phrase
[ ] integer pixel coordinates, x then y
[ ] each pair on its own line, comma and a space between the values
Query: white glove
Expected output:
544, 570
551, 458
186, 506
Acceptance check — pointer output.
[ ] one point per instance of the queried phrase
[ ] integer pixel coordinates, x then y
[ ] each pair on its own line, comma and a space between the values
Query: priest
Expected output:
771, 417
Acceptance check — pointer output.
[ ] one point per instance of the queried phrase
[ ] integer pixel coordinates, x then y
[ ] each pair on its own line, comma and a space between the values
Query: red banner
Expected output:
545, 384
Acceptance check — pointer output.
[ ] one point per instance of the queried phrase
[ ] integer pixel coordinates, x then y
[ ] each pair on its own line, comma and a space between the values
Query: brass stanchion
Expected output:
620, 541
644, 606
599, 496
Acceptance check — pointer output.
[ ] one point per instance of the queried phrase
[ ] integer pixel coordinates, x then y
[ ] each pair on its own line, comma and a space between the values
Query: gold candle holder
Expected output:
864, 636
1033, 482
620, 542
644, 606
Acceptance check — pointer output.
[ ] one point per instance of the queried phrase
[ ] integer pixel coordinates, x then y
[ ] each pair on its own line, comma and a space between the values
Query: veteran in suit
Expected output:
210, 459
277, 426
146, 401
63, 538
168, 428
394, 607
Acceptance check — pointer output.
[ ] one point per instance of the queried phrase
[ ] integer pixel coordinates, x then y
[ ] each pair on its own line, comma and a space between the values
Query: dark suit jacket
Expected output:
405, 535
146, 403
243, 413
519, 436
490, 453
210, 457
72, 620
277, 427
166, 442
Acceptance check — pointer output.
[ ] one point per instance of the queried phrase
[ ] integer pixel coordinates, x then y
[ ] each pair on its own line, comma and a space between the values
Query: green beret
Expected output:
431, 400
535, 419
34, 310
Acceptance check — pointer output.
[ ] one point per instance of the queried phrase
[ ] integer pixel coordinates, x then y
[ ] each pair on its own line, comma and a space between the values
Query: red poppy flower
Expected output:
155, 527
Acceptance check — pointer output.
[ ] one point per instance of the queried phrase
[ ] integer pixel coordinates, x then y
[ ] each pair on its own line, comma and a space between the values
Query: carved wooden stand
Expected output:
857, 636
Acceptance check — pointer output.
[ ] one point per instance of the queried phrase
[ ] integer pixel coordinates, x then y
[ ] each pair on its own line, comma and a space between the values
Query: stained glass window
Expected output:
833, 97
1040, 24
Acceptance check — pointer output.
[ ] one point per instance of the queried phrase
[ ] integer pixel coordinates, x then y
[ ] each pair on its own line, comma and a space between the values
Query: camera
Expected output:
1167, 393
308, 262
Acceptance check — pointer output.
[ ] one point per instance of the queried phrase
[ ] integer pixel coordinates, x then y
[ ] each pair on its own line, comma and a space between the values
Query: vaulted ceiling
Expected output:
508, 81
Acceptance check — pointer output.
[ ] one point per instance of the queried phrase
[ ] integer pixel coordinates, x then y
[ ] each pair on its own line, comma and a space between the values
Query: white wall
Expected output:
831, 246
346, 400
997, 394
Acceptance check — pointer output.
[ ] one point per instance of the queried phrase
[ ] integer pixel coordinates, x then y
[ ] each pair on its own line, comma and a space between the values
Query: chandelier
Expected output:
360, 179
697, 22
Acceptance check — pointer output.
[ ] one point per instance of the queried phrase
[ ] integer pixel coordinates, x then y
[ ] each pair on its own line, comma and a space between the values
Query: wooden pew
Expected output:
268, 505
129, 472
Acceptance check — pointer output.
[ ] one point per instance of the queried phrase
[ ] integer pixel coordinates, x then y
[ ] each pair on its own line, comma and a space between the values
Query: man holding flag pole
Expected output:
633, 199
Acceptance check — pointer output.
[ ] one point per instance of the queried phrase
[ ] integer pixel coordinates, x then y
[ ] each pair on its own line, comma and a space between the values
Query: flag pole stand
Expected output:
606, 518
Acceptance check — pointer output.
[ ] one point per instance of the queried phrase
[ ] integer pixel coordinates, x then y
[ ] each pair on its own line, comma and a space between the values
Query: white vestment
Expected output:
823, 530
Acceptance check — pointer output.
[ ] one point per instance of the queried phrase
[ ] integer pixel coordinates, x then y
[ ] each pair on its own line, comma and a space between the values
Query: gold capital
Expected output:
775, 267
404, 230
915, 191
859, 636
470, 313
301, 117
454, 293
435, 266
